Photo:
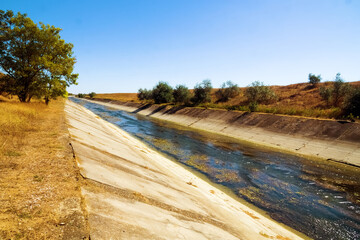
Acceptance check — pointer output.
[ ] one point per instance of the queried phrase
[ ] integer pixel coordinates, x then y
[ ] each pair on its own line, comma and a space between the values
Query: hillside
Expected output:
295, 99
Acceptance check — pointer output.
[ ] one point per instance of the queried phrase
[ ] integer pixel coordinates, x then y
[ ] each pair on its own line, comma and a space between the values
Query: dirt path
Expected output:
132, 192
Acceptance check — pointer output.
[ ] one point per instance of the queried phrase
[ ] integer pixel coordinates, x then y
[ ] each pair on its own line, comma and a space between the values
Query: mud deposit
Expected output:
318, 198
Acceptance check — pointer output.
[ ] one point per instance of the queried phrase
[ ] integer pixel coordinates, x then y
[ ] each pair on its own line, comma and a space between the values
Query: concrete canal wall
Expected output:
323, 139
133, 192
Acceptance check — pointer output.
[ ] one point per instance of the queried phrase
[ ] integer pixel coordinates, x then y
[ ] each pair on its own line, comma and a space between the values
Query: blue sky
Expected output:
125, 45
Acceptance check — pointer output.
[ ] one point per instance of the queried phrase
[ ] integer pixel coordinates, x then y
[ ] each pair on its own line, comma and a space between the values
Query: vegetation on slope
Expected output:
39, 187
302, 99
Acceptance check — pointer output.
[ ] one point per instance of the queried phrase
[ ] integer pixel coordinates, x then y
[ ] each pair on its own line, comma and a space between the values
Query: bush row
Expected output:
256, 93
83, 95
340, 95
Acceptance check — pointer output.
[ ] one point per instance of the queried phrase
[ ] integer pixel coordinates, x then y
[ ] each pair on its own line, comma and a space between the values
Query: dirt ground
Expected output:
40, 194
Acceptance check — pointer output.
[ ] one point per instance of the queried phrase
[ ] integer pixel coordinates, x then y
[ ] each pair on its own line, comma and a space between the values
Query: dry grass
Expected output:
295, 99
123, 97
37, 170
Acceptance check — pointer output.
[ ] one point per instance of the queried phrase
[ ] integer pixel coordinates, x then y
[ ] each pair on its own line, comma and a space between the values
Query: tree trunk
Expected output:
47, 100
22, 97
24, 93
29, 98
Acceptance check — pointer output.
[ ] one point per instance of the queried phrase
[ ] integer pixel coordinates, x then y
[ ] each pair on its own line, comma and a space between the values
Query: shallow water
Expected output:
318, 198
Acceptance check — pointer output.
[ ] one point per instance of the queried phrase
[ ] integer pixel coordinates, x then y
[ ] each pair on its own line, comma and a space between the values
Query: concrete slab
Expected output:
132, 192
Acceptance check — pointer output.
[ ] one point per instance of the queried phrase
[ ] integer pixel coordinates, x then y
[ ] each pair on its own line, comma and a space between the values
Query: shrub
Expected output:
181, 94
253, 106
257, 92
337, 93
162, 93
228, 90
314, 80
144, 94
81, 95
202, 92
325, 94
92, 95
352, 104
340, 90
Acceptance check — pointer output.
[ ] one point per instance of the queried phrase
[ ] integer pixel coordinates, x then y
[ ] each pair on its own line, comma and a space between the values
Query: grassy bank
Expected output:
295, 99
38, 175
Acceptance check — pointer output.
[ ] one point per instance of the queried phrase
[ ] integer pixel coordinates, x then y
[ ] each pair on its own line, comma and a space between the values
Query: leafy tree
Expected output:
336, 94
162, 93
314, 80
53, 88
81, 95
352, 104
228, 90
92, 95
144, 94
37, 62
340, 90
202, 92
257, 93
181, 94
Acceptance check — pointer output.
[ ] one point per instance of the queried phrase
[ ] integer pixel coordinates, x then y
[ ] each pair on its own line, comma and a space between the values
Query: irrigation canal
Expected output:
320, 199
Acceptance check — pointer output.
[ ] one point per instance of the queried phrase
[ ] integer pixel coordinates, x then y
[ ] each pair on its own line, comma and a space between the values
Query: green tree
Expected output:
92, 95
144, 94
202, 92
314, 80
53, 88
352, 104
37, 62
340, 90
337, 94
257, 93
181, 94
228, 90
162, 93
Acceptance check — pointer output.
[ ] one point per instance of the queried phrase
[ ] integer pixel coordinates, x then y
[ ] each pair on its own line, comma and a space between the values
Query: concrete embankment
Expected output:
133, 192
323, 139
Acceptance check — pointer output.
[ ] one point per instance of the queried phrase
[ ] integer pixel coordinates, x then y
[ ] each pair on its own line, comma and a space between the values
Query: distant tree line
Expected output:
256, 93
339, 95
34, 58
83, 95
164, 93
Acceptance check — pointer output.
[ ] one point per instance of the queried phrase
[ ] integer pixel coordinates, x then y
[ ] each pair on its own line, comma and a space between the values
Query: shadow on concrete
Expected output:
158, 109
142, 108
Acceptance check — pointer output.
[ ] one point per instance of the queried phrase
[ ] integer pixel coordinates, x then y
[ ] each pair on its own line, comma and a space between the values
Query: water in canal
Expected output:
320, 199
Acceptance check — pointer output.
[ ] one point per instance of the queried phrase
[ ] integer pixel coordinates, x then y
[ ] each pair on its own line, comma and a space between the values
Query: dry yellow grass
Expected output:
38, 175
123, 97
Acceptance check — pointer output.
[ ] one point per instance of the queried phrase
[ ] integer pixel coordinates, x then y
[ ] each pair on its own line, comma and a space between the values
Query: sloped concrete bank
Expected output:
323, 139
133, 192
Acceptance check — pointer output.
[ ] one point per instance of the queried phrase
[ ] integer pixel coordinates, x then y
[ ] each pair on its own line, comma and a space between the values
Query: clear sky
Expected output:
124, 45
